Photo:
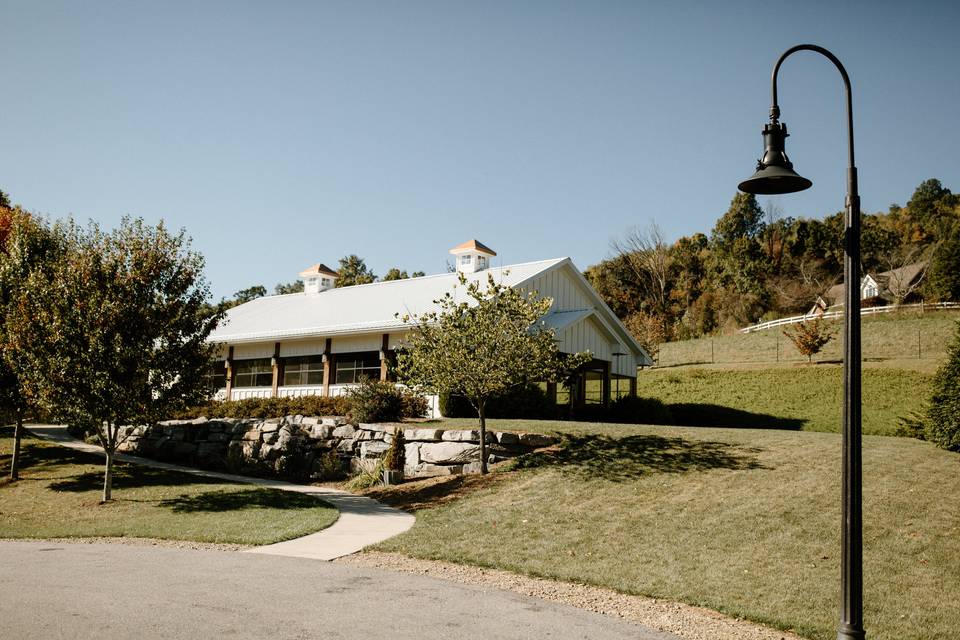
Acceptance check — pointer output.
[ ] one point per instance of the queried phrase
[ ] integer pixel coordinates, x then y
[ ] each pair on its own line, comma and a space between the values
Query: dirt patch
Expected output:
692, 623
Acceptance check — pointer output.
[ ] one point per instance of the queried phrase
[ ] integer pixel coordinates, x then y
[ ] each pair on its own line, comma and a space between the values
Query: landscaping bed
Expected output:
745, 522
58, 496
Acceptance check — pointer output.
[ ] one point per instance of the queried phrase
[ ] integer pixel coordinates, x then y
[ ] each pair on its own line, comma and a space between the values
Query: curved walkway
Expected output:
362, 521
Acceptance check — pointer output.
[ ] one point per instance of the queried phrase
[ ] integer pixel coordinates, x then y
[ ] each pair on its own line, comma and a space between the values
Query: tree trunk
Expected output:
108, 476
482, 411
17, 435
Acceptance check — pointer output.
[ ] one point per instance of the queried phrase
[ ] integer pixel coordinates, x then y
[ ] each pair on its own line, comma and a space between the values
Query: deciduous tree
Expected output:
482, 347
809, 337
115, 333
26, 245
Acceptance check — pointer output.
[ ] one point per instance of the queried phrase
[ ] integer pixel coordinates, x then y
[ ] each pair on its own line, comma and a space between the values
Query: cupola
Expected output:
318, 278
472, 256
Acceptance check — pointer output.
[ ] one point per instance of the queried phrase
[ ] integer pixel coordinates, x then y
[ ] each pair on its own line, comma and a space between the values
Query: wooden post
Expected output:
327, 368
229, 365
633, 387
605, 389
276, 370
384, 362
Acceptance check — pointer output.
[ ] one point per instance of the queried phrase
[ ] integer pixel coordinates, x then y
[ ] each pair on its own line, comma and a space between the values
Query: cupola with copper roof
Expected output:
318, 278
472, 256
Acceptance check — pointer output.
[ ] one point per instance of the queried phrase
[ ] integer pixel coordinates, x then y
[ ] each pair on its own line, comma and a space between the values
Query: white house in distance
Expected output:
325, 339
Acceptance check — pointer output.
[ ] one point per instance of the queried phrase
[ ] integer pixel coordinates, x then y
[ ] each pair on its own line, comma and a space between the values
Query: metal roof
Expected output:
356, 309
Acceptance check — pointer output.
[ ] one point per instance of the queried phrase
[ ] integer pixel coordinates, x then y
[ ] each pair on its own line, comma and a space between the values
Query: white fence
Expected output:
866, 311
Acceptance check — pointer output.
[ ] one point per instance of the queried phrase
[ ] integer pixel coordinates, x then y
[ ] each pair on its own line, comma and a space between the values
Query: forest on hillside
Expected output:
757, 264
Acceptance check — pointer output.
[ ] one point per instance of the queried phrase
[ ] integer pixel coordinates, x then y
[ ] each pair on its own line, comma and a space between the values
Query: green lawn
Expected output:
886, 336
792, 398
59, 492
745, 522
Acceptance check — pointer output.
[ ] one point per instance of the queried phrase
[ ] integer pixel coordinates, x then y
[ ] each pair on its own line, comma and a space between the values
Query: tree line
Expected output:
757, 264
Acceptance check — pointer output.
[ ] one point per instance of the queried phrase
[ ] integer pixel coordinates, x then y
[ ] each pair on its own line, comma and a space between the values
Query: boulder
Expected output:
448, 452
507, 438
371, 426
423, 435
270, 437
461, 435
269, 427
372, 449
346, 445
333, 421
424, 470
321, 431
345, 431
309, 421
411, 453
536, 440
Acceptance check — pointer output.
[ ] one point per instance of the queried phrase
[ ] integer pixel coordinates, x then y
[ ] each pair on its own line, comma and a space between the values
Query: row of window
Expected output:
303, 370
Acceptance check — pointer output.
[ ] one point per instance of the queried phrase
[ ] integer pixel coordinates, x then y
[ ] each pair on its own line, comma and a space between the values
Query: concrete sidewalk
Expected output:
362, 521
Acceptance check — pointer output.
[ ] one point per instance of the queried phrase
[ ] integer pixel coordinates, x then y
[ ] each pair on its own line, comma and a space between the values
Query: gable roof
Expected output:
355, 309
374, 307
473, 245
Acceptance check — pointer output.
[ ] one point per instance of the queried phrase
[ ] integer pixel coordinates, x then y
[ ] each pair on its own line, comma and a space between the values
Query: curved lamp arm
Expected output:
775, 107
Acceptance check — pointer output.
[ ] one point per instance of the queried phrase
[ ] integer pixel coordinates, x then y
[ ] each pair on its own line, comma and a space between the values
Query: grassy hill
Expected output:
904, 336
737, 520
808, 398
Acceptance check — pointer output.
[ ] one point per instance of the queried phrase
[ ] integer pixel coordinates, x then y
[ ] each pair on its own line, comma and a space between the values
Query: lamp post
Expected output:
775, 175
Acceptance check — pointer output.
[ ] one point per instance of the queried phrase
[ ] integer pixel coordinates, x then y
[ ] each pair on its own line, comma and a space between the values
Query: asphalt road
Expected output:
103, 591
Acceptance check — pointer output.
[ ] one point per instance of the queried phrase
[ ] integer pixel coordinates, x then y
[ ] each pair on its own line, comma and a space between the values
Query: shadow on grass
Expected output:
224, 500
129, 477
414, 495
695, 414
624, 459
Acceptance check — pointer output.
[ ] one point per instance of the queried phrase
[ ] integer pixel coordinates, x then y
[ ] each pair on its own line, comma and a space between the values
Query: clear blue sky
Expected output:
285, 133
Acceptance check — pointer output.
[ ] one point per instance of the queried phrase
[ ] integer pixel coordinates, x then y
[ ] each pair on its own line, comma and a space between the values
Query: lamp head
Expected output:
775, 172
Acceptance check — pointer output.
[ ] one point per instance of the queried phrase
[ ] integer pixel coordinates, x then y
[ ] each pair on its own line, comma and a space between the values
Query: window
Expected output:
620, 386
481, 262
311, 282
563, 393
253, 373
464, 260
594, 387
216, 375
352, 367
326, 282
303, 370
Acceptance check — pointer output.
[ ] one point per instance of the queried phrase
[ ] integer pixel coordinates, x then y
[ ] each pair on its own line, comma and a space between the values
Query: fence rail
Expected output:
866, 311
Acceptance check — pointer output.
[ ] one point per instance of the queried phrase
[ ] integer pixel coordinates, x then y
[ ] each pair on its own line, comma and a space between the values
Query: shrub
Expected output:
367, 478
943, 413
375, 401
809, 337
330, 467
522, 402
396, 458
414, 405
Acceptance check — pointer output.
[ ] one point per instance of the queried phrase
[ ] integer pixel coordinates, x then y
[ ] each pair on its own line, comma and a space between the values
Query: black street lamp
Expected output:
775, 175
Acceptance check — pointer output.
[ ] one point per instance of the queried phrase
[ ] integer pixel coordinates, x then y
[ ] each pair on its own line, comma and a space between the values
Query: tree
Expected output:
115, 332
4, 200
943, 282
943, 412
248, 294
26, 244
353, 270
735, 243
647, 255
809, 337
483, 347
395, 274
291, 287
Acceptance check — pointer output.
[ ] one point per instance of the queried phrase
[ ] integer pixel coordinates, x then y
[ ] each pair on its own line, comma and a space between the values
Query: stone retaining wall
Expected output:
308, 448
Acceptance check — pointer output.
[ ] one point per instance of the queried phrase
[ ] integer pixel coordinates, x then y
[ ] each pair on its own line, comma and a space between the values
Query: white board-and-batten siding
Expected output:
559, 287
